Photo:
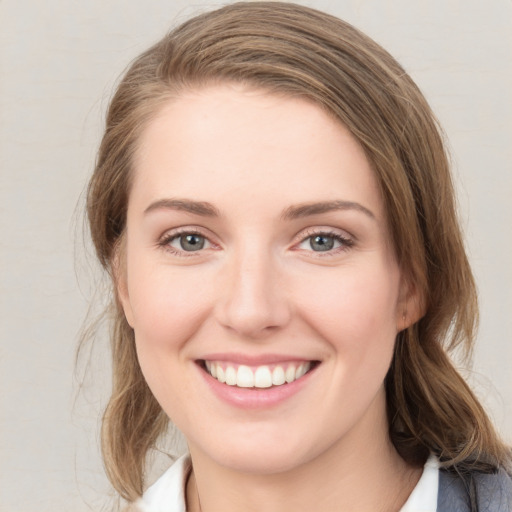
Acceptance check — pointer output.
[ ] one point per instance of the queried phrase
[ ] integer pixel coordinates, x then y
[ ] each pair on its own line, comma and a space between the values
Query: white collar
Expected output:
424, 496
167, 494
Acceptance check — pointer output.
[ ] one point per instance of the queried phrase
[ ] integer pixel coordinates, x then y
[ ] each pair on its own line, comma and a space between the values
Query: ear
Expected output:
410, 305
120, 279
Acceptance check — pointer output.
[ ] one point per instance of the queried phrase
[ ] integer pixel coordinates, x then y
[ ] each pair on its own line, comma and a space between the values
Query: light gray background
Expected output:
58, 62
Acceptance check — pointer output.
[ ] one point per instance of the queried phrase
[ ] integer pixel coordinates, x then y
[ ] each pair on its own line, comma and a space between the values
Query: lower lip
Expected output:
255, 398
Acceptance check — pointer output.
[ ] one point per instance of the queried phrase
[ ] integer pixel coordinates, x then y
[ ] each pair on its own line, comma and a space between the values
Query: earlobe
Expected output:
119, 276
410, 307
124, 300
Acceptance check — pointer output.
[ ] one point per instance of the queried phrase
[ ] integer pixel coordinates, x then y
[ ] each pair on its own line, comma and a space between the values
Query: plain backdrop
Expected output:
59, 60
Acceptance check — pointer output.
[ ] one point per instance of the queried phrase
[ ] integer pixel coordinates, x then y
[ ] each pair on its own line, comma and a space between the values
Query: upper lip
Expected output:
254, 360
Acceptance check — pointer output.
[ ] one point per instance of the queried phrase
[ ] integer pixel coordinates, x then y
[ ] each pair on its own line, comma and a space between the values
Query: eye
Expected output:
189, 242
185, 242
322, 242
325, 242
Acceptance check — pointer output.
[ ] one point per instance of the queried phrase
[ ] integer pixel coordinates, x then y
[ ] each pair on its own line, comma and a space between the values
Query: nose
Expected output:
253, 301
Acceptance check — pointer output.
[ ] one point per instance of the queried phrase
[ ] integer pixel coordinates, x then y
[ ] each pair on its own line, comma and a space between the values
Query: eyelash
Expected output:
166, 240
345, 242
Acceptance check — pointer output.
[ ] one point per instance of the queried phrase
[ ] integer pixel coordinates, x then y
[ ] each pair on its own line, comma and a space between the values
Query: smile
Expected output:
264, 376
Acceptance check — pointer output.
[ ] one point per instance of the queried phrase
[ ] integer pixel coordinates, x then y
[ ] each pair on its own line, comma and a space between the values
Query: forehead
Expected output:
230, 141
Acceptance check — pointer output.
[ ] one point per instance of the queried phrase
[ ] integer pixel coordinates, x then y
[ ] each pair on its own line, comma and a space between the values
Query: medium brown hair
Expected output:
297, 51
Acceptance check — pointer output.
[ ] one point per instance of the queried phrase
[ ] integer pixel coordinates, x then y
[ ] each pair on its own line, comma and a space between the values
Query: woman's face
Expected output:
257, 249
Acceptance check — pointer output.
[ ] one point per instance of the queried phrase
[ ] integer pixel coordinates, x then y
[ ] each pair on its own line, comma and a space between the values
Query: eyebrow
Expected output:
302, 210
307, 209
196, 207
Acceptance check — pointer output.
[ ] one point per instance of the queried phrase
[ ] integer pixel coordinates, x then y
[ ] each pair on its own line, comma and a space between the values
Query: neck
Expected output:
362, 472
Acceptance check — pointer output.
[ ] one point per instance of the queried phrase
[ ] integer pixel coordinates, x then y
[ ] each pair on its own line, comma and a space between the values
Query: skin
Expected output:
259, 287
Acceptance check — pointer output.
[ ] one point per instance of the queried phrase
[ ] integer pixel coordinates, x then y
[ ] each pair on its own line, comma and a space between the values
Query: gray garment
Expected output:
493, 492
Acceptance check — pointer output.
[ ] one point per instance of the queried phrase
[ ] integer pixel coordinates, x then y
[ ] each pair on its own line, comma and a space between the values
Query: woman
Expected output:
273, 201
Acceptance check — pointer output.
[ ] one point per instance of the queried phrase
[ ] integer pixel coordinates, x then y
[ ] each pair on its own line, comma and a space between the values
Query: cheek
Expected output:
167, 309
351, 310
167, 306
354, 308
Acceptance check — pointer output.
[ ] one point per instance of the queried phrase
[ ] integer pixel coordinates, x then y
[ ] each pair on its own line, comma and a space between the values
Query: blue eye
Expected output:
322, 242
186, 242
191, 242
325, 242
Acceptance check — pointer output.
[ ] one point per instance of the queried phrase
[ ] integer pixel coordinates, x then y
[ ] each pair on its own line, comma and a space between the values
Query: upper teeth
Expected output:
256, 377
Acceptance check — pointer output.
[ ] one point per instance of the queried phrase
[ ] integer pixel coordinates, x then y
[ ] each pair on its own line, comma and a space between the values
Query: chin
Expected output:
258, 462
261, 453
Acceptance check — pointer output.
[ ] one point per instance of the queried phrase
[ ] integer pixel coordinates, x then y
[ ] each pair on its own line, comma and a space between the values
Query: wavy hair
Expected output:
297, 51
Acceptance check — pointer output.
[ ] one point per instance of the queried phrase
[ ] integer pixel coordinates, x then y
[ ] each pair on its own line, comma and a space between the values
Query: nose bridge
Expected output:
254, 301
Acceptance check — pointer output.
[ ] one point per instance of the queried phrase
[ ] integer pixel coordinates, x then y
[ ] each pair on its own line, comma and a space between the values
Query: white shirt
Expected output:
423, 497
167, 494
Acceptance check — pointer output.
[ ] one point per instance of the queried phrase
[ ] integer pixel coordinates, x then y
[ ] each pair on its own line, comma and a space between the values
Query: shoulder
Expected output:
492, 492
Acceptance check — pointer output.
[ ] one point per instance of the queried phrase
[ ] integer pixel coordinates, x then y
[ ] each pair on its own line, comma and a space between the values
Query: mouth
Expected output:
257, 377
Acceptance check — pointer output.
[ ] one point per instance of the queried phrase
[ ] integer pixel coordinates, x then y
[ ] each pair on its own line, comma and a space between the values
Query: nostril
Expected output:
252, 303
